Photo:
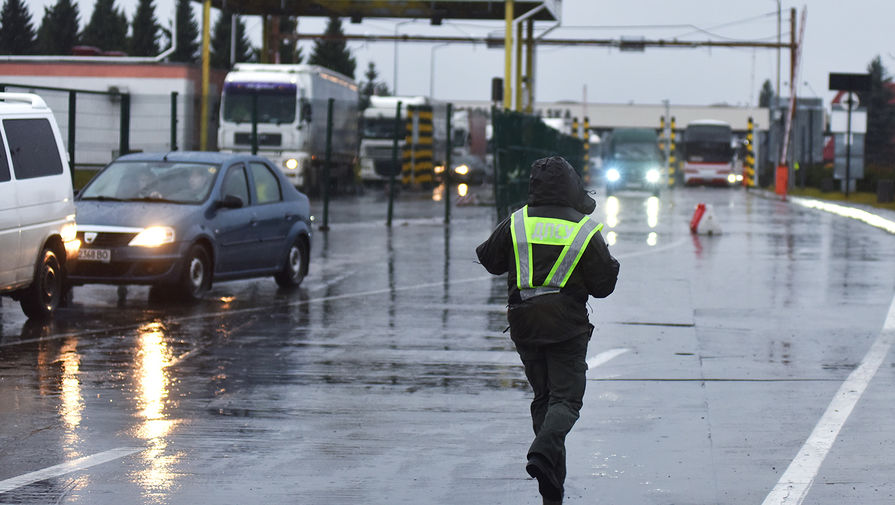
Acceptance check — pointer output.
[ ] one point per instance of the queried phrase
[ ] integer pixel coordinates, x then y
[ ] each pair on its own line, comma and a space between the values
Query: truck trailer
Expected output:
289, 105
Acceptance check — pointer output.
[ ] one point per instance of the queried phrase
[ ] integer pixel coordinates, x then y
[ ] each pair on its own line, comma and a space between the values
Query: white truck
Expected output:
376, 163
291, 107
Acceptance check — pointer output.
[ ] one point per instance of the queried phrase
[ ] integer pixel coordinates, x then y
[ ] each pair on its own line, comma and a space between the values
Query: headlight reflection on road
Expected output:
72, 399
612, 212
153, 358
652, 239
611, 237
652, 211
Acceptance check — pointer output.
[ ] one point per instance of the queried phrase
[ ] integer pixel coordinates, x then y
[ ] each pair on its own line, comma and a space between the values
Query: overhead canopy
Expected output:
436, 10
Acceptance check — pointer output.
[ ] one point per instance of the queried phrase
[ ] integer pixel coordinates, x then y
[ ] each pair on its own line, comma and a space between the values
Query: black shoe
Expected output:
548, 485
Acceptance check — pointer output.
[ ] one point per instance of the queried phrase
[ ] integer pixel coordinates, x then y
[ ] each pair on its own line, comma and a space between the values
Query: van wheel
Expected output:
296, 265
41, 298
196, 277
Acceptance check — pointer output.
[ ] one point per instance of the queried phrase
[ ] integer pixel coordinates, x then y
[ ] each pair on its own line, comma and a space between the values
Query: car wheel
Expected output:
41, 298
195, 279
296, 265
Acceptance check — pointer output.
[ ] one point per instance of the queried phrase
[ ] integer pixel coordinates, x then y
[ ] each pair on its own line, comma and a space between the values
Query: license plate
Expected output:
101, 255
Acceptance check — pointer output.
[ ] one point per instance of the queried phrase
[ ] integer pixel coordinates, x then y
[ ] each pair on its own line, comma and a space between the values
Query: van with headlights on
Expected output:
632, 160
37, 210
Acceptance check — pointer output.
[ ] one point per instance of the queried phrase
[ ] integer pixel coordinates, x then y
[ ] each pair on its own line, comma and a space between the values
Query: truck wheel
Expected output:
296, 265
195, 279
40, 299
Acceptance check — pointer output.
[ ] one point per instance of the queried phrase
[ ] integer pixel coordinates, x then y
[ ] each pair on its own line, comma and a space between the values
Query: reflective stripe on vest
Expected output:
572, 236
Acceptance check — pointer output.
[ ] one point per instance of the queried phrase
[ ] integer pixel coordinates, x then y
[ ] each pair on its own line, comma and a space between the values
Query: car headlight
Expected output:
153, 236
291, 163
461, 169
438, 169
69, 230
613, 175
731, 178
652, 176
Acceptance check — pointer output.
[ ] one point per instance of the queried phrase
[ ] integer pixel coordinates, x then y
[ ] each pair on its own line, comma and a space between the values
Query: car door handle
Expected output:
290, 217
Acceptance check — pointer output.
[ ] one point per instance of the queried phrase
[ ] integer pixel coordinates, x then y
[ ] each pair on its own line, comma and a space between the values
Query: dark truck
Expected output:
632, 160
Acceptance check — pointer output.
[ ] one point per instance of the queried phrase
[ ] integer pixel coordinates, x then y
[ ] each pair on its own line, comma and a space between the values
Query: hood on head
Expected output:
553, 181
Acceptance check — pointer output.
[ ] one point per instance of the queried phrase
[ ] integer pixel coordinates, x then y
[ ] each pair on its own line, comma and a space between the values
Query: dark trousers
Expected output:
557, 374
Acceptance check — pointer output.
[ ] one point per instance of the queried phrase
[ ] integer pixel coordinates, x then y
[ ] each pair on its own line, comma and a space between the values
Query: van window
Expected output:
33, 148
4, 165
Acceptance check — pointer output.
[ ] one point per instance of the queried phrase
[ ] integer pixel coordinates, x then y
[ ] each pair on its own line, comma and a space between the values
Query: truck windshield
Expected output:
380, 128
276, 102
636, 151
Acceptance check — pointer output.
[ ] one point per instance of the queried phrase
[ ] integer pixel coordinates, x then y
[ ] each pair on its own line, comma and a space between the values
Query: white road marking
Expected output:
793, 486
604, 357
68, 467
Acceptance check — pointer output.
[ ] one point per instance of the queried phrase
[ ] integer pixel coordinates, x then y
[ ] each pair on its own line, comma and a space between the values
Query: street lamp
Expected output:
395, 77
432, 69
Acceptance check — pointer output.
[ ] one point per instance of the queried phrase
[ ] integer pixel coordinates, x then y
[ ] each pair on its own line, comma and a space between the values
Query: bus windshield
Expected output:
708, 143
276, 102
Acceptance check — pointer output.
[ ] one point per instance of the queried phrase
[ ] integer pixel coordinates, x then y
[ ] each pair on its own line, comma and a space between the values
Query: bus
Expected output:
708, 154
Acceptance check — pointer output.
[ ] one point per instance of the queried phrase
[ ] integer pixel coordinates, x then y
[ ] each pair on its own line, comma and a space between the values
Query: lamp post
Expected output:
395, 76
432, 68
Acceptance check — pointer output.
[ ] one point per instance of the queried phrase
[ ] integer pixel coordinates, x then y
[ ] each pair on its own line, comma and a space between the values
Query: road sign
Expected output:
850, 82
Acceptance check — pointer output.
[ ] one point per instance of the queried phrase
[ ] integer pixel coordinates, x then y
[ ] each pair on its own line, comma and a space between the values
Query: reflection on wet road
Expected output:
387, 377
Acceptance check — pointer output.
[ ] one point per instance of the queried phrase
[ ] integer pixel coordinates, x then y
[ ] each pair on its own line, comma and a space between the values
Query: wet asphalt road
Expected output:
387, 378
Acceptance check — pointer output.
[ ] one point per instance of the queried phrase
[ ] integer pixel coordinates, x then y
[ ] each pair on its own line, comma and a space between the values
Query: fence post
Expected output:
124, 140
326, 164
72, 114
254, 123
391, 178
173, 120
447, 167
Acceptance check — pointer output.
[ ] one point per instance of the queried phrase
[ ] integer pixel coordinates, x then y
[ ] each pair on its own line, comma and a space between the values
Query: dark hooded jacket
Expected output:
555, 191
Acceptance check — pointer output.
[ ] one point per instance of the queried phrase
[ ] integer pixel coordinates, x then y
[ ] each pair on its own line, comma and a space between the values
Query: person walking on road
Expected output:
555, 257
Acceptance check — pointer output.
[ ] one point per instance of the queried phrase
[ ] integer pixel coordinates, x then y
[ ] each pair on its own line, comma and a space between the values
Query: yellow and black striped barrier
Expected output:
417, 167
749, 162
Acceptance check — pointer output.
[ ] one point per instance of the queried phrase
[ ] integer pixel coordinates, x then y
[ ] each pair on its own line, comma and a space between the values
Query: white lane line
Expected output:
792, 488
64, 468
604, 357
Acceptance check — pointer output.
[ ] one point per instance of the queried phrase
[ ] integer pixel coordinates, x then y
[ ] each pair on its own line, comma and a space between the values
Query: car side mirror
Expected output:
231, 202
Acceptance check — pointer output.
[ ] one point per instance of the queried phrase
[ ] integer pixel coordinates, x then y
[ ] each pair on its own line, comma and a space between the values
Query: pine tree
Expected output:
766, 95
331, 52
107, 28
58, 32
220, 42
16, 30
187, 34
371, 86
289, 50
144, 41
878, 147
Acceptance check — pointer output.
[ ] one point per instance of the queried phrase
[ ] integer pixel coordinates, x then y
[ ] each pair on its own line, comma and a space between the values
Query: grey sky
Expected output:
839, 37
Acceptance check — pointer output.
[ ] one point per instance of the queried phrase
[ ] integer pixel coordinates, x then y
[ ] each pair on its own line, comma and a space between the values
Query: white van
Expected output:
37, 211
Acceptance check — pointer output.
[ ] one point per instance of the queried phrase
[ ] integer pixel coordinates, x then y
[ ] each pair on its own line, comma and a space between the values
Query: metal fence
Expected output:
99, 126
520, 139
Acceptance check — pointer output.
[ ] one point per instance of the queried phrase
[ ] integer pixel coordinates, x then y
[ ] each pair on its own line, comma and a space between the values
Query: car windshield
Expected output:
152, 181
